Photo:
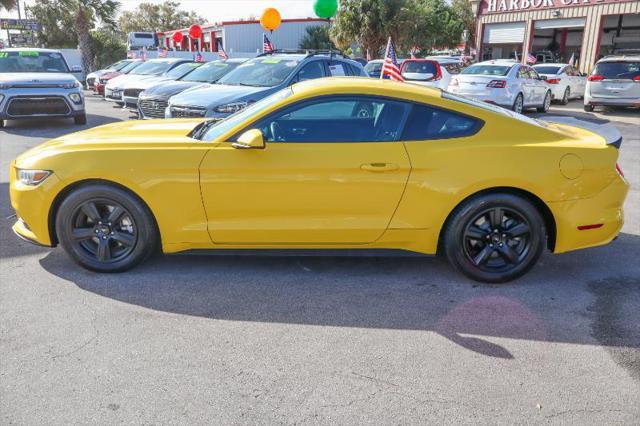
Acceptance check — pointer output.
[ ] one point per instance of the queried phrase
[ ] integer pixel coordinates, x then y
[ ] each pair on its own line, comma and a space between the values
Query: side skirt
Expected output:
306, 252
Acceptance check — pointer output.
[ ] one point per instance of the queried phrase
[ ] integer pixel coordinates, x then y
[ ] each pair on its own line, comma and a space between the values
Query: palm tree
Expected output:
7, 4
85, 14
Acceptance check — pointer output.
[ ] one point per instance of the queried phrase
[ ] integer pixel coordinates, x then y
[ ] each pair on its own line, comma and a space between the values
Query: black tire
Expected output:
518, 104
1, 124
114, 235
546, 103
565, 96
80, 119
493, 250
589, 108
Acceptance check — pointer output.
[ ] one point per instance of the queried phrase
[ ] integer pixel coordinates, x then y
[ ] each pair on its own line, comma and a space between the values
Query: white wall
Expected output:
248, 37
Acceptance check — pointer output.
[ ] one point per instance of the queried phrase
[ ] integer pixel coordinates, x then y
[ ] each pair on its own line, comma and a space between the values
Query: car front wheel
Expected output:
518, 104
565, 97
105, 228
80, 119
495, 238
546, 104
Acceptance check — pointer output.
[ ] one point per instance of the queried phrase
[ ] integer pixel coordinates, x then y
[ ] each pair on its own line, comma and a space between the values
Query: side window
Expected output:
336, 119
452, 68
522, 73
533, 74
314, 69
426, 123
337, 69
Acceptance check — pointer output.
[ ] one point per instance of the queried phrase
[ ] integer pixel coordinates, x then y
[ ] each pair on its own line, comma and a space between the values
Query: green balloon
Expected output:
325, 8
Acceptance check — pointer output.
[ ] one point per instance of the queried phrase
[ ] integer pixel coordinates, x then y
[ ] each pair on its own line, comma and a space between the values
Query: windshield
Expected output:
221, 127
210, 72
32, 61
118, 65
493, 108
373, 67
182, 70
487, 69
152, 68
132, 65
622, 70
261, 72
420, 67
547, 70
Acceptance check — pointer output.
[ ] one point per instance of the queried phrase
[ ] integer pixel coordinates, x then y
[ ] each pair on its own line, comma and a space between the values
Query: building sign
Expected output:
21, 40
498, 6
19, 24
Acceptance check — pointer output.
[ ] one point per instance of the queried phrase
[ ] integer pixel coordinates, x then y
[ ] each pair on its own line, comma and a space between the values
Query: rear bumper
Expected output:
611, 102
603, 210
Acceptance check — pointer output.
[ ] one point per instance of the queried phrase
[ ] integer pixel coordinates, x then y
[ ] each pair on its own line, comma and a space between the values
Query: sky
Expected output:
222, 10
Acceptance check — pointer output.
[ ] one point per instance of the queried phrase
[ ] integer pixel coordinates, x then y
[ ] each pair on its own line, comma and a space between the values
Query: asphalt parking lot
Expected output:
236, 340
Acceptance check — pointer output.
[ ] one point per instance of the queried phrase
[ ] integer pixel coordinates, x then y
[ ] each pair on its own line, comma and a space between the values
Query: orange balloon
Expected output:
270, 19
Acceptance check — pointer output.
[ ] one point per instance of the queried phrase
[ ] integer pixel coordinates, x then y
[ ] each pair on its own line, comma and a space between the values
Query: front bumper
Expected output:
603, 210
37, 103
113, 95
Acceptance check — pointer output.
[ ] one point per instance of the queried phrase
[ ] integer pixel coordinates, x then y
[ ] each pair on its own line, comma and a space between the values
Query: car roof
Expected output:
502, 62
336, 85
29, 49
618, 58
550, 64
169, 60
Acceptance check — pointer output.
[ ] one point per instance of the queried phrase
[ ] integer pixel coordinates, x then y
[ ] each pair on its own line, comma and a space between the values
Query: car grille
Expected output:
90, 81
185, 112
26, 107
152, 108
132, 93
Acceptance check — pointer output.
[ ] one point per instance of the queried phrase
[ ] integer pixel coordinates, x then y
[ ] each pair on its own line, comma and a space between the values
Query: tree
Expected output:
157, 17
430, 24
109, 47
86, 13
55, 23
462, 8
7, 4
317, 37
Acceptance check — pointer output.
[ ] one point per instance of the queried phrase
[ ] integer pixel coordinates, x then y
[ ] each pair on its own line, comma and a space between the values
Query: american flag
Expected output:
267, 46
198, 57
531, 59
162, 52
391, 67
221, 52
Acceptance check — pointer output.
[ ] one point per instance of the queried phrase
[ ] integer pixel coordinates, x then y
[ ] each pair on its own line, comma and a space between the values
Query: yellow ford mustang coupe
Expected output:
343, 165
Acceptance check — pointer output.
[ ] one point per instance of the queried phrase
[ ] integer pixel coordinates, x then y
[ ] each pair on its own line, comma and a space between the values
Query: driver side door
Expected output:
333, 171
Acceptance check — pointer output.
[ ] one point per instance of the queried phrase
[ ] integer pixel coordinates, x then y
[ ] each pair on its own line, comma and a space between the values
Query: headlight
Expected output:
230, 108
32, 177
75, 97
70, 85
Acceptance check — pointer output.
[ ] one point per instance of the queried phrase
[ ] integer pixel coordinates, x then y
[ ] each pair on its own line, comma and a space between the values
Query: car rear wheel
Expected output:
80, 119
546, 104
589, 108
106, 229
495, 238
565, 97
1, 124
518, 104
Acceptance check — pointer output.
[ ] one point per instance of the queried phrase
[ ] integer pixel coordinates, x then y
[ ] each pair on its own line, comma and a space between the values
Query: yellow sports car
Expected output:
343, 165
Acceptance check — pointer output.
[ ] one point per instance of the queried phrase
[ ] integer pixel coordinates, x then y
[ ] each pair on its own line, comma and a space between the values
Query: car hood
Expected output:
218, 94
171, 88
146, 83
114, 136
36, 78
124, 80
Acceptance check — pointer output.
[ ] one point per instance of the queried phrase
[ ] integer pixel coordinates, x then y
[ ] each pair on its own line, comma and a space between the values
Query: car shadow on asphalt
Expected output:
53, 128
585, 297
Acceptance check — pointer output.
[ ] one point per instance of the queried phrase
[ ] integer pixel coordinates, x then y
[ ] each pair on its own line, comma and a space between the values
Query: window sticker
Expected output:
4, 54
291, 64
336, 70
221, 65
271, 61
29, 53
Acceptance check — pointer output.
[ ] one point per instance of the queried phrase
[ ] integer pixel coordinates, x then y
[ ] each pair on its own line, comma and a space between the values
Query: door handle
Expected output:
299, 131
379, 167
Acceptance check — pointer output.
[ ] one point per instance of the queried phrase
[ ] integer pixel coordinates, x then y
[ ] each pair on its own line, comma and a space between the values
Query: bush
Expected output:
108, 48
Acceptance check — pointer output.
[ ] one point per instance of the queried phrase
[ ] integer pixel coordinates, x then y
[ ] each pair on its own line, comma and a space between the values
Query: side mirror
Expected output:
76, 69
251, 139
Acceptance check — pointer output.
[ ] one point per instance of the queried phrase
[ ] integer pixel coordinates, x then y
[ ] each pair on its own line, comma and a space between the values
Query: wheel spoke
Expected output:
115, 214
124, 238
476, 233
518, 230
508, 253
495, 217
80, 234
482, 257
104, 251
91, 211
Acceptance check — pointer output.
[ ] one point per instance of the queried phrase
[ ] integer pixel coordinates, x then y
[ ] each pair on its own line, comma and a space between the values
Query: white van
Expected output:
138, 40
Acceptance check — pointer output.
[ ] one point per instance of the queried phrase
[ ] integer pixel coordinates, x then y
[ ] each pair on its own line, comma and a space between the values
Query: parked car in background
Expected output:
99, 85
374, 67
132, 89
436, 72
142, 40
258, 78
38, 84
114, 89
503, 82
91, 78
565, 81
614, 81
153, 102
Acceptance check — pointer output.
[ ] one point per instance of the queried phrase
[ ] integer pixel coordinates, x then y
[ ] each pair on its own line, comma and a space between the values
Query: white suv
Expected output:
615, 81
505, 83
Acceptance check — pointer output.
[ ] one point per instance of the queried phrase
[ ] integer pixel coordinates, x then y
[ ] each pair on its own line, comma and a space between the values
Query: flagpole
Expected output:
386, 53
263, 36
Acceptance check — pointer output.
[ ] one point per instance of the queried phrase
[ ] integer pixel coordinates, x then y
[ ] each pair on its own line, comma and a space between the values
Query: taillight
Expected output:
553, 80
595, 78
619, 170
438, 72
497, 84
636, 78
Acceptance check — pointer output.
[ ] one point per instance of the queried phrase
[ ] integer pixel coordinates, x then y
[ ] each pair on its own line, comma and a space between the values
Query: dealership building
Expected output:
554, 30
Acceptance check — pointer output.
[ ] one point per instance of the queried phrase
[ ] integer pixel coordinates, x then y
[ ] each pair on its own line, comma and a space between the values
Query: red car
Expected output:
98, 86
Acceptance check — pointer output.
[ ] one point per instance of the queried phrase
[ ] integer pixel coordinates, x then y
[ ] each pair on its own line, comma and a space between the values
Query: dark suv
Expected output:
258, 78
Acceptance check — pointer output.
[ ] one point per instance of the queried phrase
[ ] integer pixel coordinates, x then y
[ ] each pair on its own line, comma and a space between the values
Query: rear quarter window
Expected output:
427, 123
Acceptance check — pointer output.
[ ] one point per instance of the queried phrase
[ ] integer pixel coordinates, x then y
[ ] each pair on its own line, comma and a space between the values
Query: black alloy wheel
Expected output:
565, 97
105, 228
518, 104
495, 237
546, 104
